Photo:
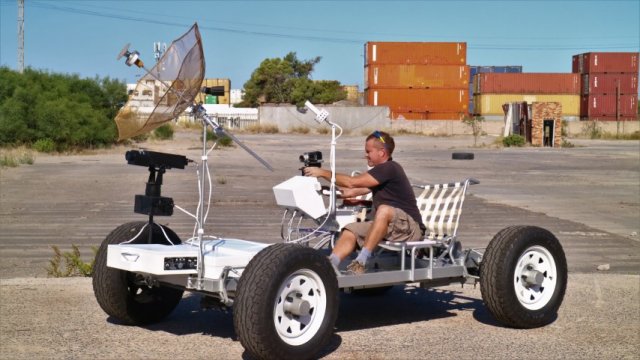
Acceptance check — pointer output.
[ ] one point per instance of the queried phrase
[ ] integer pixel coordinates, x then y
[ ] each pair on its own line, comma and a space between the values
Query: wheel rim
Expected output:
535, 277
300, 307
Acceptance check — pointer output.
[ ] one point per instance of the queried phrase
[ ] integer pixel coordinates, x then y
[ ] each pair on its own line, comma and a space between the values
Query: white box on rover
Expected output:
154, 258
301, 193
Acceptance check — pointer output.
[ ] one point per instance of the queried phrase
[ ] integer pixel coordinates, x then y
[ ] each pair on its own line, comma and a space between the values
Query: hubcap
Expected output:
300, 307
535, 277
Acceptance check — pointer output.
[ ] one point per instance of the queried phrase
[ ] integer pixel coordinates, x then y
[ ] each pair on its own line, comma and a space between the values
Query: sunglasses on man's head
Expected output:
378, 135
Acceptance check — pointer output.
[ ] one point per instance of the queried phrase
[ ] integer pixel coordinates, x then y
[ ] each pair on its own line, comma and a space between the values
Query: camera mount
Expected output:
152, 203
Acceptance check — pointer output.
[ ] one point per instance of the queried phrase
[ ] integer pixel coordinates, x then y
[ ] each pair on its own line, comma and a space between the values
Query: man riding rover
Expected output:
396, 215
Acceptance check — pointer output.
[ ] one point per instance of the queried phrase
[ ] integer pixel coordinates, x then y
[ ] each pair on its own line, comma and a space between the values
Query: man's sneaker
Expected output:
355, 268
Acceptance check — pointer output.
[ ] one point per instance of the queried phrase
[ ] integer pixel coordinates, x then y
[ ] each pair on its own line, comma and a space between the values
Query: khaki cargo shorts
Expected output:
401, 228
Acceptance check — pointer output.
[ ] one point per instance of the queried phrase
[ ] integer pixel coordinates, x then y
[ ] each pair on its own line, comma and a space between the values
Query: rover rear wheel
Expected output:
125, 295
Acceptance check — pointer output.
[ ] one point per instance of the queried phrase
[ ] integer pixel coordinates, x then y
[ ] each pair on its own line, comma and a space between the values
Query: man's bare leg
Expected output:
384, 215
345, 245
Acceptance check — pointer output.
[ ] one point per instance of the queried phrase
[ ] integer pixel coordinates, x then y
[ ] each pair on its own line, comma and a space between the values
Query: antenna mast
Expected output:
158, 50
20, 36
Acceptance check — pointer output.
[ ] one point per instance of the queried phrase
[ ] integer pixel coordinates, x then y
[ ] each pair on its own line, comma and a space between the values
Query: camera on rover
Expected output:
312, 158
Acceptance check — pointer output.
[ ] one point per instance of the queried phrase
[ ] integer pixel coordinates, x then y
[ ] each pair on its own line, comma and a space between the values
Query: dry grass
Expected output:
13, 157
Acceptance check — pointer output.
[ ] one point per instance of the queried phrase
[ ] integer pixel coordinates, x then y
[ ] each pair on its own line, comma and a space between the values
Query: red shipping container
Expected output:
419, 100
597, 83
417, 76
427, 115
527, 83
575, 61
605, 62
595, 105
425, 53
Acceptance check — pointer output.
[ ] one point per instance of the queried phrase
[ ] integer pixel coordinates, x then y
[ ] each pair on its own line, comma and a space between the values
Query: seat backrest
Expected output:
440, 206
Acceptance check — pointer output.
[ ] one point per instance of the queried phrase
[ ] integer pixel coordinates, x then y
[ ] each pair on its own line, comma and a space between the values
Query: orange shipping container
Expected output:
425, 53
417, 76
527, 83
420, 100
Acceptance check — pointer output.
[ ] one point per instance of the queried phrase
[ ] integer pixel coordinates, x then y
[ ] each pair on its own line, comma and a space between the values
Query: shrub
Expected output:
592, 129
44, 145
73, 264
299, 130
222, 141
13, 158
26, 158
164, 132
323, 130
513, 140
262, 129
8, 160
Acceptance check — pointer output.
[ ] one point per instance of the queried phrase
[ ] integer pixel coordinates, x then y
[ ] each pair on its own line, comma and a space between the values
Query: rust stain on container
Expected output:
597, 83
527, 83
417, 76
605, 62
595, 105
419, 100
426, 53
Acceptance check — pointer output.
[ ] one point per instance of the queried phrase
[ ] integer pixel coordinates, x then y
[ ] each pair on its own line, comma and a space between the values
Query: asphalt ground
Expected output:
588, 196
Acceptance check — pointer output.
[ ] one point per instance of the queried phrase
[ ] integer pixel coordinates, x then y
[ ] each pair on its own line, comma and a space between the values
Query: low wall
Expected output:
368, 118
350, 118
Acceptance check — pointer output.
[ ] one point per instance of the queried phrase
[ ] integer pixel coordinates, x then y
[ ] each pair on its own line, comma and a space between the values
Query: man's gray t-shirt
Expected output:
394, 189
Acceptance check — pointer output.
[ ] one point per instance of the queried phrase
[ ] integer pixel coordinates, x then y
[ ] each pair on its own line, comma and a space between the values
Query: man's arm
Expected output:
351, 193
364, 180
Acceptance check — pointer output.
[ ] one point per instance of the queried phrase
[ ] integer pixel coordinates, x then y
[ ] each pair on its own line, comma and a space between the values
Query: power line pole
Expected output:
20, 36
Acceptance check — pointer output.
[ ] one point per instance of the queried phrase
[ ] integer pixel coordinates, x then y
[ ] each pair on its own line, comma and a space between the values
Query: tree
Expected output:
287, 80
475, 123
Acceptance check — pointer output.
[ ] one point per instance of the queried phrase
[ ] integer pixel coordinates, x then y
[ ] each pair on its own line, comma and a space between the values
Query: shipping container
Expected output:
473, 70
597, 83
419, 100
605, 62
527, 83
595, 105
425, 53
495, 69
491, 104
396, 115
201, 98
417, 76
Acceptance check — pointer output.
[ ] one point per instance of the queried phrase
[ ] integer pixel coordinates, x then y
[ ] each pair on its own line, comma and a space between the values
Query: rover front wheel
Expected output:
287, 303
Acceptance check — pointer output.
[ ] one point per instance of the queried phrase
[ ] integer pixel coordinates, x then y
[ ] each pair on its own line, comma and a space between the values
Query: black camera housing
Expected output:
312, 158
156, 159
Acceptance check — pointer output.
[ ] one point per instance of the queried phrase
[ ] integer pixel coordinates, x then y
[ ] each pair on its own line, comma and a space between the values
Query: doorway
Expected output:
547, 132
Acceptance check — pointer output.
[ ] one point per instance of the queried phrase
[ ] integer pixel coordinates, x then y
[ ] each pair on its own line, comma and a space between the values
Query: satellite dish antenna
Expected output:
124, 51
178, 78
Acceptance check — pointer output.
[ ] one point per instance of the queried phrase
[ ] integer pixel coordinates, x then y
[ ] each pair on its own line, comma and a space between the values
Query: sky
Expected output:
84, 37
